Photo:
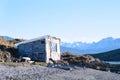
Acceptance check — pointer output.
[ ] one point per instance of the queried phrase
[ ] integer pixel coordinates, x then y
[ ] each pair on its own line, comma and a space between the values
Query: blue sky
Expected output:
71, 20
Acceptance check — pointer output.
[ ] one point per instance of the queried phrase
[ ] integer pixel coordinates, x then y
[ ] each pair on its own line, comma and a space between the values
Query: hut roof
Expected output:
35, 39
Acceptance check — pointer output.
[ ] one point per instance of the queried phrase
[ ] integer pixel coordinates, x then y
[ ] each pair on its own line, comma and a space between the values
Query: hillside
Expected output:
113, 55
8, 51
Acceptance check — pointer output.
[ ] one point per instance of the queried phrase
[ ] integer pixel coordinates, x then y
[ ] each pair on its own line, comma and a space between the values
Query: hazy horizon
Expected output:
86, 21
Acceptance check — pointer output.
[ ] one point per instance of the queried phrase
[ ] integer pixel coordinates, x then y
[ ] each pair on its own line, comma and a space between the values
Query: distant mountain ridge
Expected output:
103, 45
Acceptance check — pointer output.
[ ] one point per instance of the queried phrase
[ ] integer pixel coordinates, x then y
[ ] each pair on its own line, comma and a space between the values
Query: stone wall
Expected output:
35, 50
41, 49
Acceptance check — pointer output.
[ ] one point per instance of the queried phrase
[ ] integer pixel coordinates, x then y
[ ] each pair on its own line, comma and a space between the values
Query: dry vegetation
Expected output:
8, 51
84, 61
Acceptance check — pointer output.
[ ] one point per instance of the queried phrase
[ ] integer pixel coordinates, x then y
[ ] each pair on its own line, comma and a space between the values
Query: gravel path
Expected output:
37, 72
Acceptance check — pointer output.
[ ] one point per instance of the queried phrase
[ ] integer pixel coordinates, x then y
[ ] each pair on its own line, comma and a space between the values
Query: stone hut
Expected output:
40, 49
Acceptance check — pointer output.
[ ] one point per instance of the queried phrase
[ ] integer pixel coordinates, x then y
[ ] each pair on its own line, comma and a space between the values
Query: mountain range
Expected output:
103, 45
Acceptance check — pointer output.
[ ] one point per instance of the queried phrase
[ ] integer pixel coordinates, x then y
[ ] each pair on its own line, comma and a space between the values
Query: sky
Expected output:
70, 20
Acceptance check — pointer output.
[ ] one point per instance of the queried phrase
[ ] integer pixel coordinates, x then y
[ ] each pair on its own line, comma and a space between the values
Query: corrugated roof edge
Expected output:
31, 40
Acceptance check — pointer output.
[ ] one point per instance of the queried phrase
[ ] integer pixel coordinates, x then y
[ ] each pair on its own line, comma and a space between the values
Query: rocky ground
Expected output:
37, 72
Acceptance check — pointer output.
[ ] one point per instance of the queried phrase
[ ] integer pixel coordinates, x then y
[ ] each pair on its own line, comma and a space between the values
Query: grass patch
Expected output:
40, 63
13, 64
